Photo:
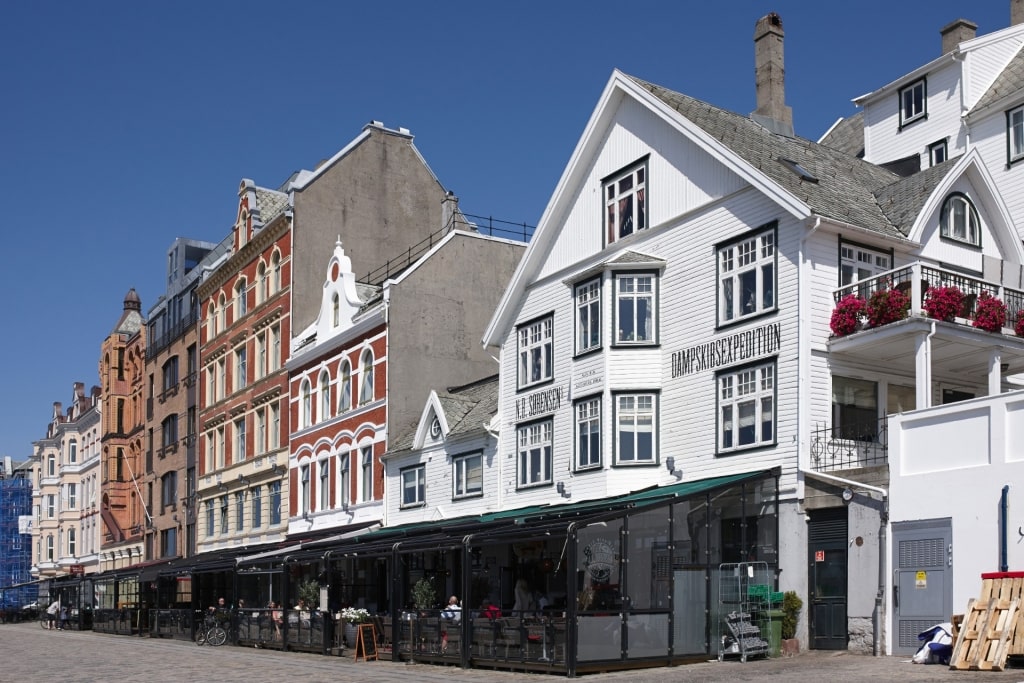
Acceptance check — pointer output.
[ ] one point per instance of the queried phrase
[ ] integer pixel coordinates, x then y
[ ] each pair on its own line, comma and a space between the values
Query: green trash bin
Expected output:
775, 632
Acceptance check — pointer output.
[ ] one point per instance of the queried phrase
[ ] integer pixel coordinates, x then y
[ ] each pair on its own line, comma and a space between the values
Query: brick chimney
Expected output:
957, 32
770, 76
1016, 12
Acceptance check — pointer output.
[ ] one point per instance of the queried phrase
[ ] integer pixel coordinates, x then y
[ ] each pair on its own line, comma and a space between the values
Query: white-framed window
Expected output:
241, 367
51, 465
857, 263
222, 373
49, 548
241, 305
937, 152
72, 496
467, 475
913, 102
261, 283
366, 377
210, 452
275, 503
635, 308
366, 473
344, 480
335, 310
51, 506
345, 390
414, 486
211, 321
261, 430
324, 470
239, 454
304, 497
305, 404
588, 433
536, 350
959, 220
257, 507
211, 386
72, 542
274, 361
72, 451
746, 407
225, 524
261, 356
746, 276
240, 510
275, 426
222, 312
534, 453
275, 273
625, 201
325, 396
588, 316
211, 525
636, 428
1015, 134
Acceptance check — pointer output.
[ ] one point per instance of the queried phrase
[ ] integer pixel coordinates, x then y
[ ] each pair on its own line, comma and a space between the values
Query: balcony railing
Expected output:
849, 446
916, 279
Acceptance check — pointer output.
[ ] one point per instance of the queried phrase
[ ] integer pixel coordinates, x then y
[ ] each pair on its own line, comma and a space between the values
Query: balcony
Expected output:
919, 346
849, 446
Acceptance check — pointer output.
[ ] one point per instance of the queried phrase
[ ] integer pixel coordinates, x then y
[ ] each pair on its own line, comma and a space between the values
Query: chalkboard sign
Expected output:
366, 642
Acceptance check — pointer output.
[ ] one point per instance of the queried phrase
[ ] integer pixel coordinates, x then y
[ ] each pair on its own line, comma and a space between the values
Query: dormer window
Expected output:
913, 102
625, 202
959, 220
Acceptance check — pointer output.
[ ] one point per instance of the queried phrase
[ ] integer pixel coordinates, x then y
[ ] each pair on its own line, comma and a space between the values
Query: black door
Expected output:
827, 579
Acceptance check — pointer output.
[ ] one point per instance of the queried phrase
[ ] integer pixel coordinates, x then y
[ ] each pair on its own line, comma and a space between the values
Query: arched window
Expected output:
335, 310
222, 312
261, 283
366, 378
275, 273
305, 419
211, 320
959, 220
325, 396
345, 390
241, 305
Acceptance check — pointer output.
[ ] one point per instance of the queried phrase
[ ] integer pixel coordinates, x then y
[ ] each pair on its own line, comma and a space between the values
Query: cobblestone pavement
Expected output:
31, 654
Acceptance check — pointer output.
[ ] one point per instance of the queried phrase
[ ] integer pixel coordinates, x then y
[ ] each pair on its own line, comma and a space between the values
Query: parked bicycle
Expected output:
211, 632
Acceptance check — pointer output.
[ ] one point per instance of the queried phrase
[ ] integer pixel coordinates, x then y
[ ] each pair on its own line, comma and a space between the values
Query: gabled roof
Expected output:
902, 200
1009, 83
846, 135
465, 409
269, 205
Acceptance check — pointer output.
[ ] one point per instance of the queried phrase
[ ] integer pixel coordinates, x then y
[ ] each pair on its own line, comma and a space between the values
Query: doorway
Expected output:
827, 579
922, 554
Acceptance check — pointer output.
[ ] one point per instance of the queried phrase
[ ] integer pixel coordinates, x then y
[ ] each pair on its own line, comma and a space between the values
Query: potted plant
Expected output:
846, 315
1018, 327
309, 592
352, 616
791, 606
943, 303
886, 306
423, 594
990, 313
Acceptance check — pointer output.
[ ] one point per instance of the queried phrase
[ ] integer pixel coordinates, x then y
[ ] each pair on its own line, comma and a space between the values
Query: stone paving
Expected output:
31, 654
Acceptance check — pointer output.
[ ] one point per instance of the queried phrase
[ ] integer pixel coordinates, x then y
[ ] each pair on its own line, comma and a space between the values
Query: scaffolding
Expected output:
17, 588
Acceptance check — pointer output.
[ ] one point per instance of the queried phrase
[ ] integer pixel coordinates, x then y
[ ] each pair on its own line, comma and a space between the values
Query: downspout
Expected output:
876, 617
1004, 508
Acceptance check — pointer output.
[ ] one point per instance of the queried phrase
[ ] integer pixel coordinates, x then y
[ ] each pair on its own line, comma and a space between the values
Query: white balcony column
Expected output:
995, 374
923, 370
915, 289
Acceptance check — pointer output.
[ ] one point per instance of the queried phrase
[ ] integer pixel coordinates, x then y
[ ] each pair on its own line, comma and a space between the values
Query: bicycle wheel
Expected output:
201, 637
217, 636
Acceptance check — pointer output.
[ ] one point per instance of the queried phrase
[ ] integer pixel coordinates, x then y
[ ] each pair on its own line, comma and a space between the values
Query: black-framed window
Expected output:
467, 475
1015, 135
636, 308
625, 201
588, 433
959, 220
747, 273
414, 486
913, 102
858, 263
746, 407
536, 350
937, 152
534, 453
588, 316
636, 428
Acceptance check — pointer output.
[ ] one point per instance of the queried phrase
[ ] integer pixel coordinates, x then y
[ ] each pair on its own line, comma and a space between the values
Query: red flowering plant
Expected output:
943, 303
887, 306
989, 313
846, 315
1018, 327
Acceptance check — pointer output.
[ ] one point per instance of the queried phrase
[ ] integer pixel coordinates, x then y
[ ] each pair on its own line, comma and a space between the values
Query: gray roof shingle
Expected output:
467, 409
1010, 80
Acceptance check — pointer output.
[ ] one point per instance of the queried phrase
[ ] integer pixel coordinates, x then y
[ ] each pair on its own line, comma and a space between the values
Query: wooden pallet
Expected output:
1007, 587
984, 638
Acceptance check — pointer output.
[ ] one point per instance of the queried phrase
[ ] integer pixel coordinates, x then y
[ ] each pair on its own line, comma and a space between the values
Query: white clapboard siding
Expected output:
955, 253
990, 138
680, 177
985, 63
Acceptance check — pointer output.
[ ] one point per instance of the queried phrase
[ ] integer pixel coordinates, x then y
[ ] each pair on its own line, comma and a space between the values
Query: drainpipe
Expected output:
1004, 509
876, 616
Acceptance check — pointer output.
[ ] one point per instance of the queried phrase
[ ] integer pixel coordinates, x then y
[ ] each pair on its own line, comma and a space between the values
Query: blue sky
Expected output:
124, 125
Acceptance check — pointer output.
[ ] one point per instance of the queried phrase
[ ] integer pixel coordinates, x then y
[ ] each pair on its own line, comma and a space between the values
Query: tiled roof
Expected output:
1009, 81
466, 410
902, 201
847, 135
270, 204
845, 185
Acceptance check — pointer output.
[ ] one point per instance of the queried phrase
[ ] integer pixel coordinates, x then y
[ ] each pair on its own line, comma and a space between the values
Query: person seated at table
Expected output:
490, 611
453, 612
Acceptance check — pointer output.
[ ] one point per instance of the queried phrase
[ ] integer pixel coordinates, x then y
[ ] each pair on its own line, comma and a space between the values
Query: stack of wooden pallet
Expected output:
988, 631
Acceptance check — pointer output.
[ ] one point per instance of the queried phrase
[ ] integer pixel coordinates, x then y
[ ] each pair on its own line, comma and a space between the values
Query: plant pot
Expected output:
349, 631
790, 647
